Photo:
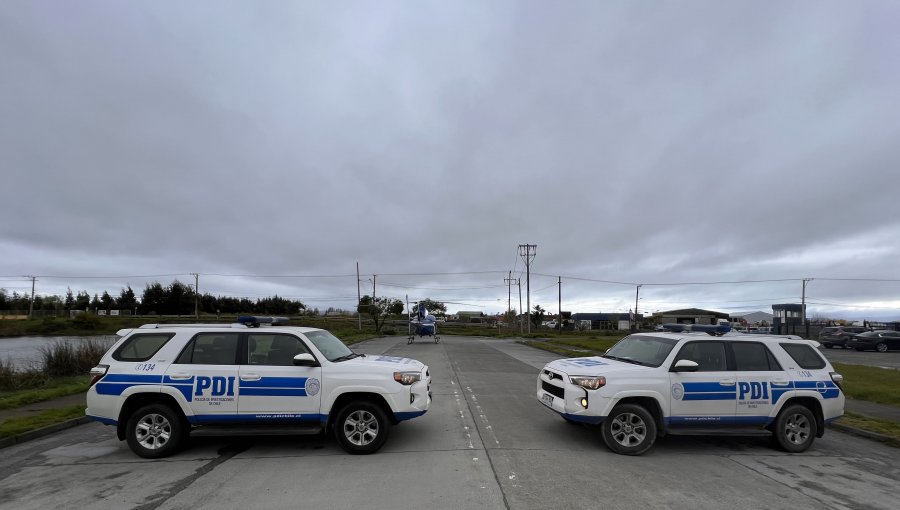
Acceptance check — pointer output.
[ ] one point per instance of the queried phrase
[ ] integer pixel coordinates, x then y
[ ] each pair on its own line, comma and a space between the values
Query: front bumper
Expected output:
556, 392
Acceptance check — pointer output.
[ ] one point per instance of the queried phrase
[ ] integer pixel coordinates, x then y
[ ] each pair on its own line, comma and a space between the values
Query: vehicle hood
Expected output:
369, 362
593, 365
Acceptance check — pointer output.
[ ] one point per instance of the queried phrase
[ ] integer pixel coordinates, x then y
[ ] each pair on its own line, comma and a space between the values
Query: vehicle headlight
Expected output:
588, 382
407, 378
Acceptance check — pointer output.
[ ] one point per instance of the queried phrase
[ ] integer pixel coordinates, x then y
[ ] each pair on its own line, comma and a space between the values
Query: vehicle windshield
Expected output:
329, 345
649, 351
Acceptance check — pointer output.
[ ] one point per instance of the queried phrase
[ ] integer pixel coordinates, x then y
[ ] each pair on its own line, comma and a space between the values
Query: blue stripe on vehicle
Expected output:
710, 396
105, 421
112, 388
186, 389
592, 420
408, 415
720, 420
272, 392
706, 387
201, 419
275, 382
132, 378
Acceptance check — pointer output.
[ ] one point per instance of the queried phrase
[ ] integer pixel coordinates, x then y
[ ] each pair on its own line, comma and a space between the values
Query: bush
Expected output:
66, 358
12, 379
86, 321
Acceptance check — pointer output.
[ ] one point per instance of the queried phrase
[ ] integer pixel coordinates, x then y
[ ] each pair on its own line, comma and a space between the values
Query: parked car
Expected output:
881, 341
837, 336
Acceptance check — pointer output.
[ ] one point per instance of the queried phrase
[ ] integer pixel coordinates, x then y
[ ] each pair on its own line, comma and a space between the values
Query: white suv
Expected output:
159, 381
650, 384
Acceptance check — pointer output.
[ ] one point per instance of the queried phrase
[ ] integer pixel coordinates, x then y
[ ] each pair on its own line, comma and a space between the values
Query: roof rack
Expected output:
709, 329
195, 325
254, 321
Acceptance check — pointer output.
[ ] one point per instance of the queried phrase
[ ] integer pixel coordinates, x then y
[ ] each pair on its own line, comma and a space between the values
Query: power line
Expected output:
441, 288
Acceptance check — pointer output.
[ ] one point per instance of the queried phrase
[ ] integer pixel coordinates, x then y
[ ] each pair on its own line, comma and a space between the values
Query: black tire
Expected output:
881, 347
361, 428
629, 430
795, 428
155, 431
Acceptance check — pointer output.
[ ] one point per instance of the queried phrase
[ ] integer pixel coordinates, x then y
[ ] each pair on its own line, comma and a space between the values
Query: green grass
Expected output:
55, 388
575, 346
879, 385
887, 428
15, 426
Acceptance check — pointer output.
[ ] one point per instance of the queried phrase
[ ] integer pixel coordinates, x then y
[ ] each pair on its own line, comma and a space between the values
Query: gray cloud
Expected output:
632, 142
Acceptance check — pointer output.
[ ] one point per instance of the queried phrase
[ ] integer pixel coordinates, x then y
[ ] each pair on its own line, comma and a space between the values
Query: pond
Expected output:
25, 351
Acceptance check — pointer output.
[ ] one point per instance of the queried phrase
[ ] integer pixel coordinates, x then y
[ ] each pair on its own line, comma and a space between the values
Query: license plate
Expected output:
547, 399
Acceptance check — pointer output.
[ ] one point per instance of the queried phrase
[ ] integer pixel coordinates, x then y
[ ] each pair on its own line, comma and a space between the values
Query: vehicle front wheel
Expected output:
629, 430
361, 428
155, 431
795, 428
881, 347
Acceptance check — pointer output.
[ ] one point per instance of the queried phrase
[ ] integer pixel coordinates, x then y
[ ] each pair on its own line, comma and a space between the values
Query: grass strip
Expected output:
15, 426
874, 384
887, 428
61, 387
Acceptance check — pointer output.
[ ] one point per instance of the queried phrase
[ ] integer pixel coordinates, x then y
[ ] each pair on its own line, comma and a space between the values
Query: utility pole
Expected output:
519, 283
373, 289
559, 316
508, 282
358, 297
196, 295
528, 252
637, 293
31, 305
803, 306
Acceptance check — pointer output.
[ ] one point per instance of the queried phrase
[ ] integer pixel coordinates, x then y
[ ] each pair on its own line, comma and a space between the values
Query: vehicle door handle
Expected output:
727, 382
250, 377
178, 376
780, 382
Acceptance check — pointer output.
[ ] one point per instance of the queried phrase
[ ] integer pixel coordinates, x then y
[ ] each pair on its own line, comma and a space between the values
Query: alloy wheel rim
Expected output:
797, 429
153, 431
361, 428
628, 429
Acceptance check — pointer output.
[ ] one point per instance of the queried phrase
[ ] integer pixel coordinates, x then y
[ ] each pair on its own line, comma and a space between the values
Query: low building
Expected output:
690, 316
604, 321
788, 319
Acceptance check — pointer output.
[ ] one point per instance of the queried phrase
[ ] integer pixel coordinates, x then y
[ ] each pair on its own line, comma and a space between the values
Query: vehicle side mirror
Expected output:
685, 365
305, 360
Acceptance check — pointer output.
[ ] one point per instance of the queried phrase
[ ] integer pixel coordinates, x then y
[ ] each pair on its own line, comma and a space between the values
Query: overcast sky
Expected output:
634, 142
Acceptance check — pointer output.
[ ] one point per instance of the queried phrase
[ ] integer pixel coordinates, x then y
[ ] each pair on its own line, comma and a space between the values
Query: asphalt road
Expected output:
485, 443
890, 359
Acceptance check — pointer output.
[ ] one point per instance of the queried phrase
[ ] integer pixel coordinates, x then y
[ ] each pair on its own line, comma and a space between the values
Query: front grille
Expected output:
556, 391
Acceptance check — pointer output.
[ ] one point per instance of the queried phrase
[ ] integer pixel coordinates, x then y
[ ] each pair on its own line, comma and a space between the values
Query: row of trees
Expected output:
175, 299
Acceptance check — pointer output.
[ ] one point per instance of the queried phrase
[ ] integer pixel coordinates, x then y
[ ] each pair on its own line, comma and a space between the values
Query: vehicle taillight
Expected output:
838, 379
97, 373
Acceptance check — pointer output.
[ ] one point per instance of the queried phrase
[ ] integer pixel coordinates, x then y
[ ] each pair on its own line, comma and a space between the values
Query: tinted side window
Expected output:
753, 357
273, 349
210, 349
709, 355
805, 356
141, 347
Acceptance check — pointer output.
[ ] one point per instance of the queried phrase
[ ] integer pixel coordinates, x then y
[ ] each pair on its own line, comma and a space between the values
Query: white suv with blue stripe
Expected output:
159, 381
651, 384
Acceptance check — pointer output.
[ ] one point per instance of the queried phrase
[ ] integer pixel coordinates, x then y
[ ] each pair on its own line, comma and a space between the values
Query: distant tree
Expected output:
510, 316
379, 309
107, 301
95, 303
126, 300
70, 299
434, 307
537, 316
82, 300
153, 299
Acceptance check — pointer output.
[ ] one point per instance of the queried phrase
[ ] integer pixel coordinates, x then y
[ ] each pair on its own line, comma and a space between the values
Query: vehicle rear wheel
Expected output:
795, 428
629, 430
155, 431
881, 347
361, 428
